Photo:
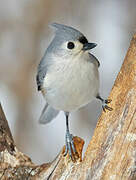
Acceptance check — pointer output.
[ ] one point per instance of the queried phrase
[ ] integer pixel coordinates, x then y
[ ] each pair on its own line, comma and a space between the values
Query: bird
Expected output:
68, 77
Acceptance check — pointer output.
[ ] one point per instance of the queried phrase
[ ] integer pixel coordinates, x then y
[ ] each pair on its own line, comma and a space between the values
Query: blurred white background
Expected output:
24, 36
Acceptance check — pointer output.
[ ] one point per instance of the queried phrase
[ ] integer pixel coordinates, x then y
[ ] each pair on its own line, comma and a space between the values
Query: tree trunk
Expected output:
111, 154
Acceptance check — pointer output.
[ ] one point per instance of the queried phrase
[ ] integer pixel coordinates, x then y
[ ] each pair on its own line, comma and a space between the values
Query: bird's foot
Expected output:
104, 103
105, 106
70, 147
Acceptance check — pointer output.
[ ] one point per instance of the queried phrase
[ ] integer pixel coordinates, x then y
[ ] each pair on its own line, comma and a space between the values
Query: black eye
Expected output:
70, 45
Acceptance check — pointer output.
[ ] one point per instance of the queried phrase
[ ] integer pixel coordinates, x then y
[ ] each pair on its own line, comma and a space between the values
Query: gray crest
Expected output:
66, 32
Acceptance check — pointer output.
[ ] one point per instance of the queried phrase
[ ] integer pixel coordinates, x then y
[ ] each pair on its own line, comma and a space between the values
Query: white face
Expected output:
72, 47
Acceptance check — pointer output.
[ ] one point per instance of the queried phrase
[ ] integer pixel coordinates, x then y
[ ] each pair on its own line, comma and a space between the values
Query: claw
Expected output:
104, 106
107, 101
66, 149
69, 147
69, 150
104, 103
73, 147
108, 108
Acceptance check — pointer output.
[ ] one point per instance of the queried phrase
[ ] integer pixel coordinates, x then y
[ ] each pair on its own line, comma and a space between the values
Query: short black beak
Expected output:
88, 46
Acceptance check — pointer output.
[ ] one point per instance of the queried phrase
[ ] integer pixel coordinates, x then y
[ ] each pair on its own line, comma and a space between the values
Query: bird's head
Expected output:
69, 41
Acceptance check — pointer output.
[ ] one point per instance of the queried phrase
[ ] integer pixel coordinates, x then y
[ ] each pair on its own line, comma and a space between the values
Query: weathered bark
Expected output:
111, 154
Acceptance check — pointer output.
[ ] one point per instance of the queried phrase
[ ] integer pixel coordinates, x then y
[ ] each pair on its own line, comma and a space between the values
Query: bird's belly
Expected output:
70, 91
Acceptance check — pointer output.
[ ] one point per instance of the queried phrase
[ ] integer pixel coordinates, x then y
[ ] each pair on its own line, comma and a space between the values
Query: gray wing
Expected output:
41, 73
93, 58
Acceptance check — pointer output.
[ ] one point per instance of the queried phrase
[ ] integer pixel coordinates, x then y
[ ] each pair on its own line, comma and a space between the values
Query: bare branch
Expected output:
111, 153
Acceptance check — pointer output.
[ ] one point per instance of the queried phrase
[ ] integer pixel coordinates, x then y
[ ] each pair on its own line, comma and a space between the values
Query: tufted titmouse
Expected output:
68, 77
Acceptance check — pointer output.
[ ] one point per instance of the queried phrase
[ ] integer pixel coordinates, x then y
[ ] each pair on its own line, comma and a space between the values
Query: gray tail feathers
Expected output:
48, 114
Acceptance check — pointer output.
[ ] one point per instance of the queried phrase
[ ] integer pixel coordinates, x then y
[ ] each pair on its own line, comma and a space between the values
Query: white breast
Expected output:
71, 83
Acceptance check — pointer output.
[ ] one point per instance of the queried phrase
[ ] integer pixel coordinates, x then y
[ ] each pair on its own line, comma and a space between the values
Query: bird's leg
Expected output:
104, 103
69, 139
